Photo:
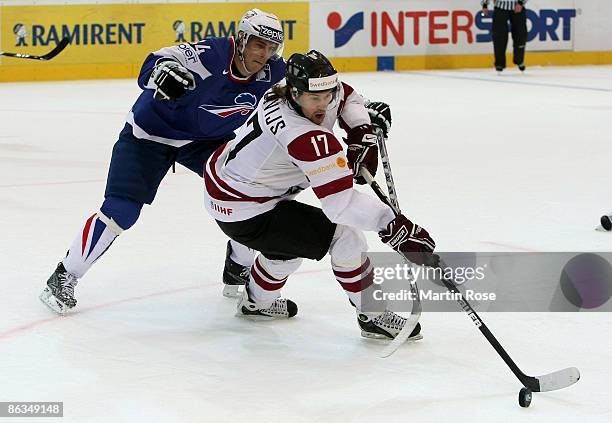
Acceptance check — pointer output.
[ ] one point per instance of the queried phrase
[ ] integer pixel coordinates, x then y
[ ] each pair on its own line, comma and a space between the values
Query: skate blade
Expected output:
232, 291
383, 337
55, 305
258, 317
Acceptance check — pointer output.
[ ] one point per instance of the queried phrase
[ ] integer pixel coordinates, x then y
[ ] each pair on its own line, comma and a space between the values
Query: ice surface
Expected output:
489, 163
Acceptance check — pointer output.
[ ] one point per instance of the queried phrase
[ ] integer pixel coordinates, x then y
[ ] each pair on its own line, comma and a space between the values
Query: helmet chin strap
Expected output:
241, 57
240, 51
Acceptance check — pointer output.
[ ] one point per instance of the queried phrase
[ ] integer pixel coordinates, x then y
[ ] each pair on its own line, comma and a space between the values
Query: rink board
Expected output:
111, 40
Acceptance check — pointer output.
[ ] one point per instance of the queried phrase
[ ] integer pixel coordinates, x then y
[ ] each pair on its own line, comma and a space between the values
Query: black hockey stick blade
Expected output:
57, 50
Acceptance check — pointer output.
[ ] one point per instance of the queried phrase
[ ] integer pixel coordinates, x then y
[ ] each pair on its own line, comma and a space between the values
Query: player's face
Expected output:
314, 105
257, 52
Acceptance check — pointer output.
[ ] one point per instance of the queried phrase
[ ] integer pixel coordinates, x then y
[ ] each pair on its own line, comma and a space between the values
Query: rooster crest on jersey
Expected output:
244, 103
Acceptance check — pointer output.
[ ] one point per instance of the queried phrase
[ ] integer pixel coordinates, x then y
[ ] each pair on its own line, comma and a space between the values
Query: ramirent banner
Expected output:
123, 34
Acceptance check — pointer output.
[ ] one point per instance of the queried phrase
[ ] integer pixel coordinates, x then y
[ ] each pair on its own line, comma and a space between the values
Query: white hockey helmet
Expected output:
263, 25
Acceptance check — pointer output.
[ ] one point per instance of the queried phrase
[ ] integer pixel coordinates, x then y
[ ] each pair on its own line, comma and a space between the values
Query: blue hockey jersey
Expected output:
219, 104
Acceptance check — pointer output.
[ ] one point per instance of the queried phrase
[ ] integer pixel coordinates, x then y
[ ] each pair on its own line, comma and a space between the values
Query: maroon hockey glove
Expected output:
410, 240
362, 151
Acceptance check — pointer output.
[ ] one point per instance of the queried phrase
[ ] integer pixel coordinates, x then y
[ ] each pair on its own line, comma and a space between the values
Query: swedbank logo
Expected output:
327, 167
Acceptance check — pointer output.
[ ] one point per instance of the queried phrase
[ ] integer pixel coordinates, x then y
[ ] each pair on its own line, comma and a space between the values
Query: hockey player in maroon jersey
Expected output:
287, 145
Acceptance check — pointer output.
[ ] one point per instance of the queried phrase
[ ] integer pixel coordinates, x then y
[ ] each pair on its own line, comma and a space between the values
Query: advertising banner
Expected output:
110, 40
430, 27
126, 33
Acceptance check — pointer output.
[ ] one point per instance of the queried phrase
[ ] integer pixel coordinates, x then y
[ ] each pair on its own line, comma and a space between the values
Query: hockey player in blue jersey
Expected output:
194, 97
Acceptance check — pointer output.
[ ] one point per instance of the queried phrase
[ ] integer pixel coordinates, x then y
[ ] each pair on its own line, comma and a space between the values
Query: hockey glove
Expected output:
380, 115
410, 240
171, 80
362, 151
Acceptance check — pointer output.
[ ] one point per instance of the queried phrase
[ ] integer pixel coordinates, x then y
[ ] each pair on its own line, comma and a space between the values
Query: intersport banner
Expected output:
430, 27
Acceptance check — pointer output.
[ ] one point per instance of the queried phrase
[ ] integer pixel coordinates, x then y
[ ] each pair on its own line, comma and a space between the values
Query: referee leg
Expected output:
500, 36
519, 36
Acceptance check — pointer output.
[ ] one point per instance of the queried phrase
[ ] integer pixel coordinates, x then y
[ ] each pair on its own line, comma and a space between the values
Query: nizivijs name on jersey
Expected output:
88, 34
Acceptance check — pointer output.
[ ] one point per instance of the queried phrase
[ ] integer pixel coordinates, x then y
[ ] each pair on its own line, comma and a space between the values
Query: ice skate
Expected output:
281, 308
235, 275
58, 295
385, 325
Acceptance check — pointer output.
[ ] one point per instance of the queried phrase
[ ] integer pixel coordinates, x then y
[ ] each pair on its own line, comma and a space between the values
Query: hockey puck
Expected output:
525, 396
606, 222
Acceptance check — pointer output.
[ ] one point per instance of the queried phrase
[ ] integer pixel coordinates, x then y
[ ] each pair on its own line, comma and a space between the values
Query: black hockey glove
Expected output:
380, 115
171, 80
362, 151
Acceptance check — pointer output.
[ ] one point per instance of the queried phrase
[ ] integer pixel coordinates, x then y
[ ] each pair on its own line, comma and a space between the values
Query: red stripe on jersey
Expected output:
351, 274
86, 233
347, 90
218, 189
264, 284
343, 124
213, 190
313, 146
334, 187
360, 285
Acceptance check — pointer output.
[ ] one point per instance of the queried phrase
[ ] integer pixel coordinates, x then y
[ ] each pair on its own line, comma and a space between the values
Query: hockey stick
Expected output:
415, 313
57, 50
384, 157
548, 382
